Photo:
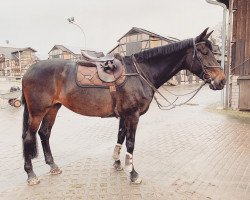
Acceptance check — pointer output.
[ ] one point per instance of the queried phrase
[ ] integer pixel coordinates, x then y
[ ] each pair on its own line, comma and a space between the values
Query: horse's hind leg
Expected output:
118, 146
44, 133
31, 125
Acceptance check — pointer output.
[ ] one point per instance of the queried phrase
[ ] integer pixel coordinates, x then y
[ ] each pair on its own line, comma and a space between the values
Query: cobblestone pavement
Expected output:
191, 152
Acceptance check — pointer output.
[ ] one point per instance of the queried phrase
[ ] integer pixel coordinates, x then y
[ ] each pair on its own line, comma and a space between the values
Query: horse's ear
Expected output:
201, 37
208, 35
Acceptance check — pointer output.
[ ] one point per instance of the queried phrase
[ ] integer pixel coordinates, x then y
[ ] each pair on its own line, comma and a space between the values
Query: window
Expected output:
133, 47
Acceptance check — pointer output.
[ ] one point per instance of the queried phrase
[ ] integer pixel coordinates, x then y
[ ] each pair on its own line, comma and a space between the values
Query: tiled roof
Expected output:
95, 54
77, 50
140, 30
26, 48
8, 52
74, 50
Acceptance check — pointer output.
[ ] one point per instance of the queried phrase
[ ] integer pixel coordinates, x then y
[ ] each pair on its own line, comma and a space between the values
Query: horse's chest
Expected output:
133, 103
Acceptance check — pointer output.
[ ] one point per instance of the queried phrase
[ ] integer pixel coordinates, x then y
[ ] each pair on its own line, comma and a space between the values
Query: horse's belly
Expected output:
95, 111
90, 102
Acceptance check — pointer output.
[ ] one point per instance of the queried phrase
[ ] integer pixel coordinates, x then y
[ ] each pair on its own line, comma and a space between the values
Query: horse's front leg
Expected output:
131, 122
121, 137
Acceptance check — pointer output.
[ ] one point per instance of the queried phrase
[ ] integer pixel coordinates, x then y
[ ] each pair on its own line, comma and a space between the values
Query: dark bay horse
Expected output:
49, 84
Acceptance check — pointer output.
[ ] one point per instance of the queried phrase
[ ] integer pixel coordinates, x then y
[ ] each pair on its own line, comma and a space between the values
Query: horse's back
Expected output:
47, 68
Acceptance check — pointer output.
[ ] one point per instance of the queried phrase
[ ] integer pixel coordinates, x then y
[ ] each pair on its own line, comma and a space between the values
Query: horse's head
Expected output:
201, 61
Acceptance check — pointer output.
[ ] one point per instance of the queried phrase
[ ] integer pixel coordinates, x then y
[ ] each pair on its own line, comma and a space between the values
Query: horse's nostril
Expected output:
223, 82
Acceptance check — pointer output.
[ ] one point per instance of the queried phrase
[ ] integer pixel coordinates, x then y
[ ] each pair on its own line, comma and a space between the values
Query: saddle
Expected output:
100, 72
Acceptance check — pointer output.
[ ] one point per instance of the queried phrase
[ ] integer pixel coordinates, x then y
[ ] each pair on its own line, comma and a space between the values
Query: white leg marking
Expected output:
117, 151
128, 162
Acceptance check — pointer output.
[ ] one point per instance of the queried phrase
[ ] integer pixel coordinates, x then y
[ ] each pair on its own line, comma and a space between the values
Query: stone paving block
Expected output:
186, 153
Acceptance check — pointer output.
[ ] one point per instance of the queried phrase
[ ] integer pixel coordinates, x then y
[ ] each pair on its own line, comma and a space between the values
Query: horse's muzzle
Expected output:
217, 85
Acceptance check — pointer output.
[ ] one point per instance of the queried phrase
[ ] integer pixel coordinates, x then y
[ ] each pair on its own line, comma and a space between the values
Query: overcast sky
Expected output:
42, 24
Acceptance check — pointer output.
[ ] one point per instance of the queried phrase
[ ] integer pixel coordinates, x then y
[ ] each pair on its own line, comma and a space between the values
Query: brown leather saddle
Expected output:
100, 72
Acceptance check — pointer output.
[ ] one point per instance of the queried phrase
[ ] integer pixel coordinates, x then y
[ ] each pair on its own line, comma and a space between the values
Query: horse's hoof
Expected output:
55, 171
33, 181
135, 178
117, 165
137, 181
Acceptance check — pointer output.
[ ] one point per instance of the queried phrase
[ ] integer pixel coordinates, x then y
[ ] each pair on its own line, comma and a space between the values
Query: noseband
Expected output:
204, 74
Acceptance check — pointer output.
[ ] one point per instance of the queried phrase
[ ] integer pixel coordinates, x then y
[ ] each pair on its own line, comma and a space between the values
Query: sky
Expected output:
42, 24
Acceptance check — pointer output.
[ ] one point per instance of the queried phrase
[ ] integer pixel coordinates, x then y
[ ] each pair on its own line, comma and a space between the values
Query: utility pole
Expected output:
223, 32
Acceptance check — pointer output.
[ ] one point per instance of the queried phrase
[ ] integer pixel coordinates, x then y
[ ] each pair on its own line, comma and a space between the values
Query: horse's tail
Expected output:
29, 139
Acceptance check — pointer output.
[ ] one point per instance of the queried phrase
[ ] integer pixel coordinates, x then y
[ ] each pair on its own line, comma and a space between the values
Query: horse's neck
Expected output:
161, 69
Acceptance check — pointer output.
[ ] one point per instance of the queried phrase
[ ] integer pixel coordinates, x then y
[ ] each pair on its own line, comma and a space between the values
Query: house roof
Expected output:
95, 54
140, 30
77, 50
9, 52
23, 49
74, 50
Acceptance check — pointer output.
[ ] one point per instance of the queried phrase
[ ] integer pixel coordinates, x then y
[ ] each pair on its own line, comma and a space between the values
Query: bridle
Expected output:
204, 73
172, 105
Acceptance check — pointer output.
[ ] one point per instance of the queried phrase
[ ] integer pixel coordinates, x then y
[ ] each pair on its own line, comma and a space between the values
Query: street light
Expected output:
72, 21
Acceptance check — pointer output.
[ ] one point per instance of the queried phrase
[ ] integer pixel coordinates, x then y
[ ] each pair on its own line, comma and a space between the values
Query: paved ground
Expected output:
191, 152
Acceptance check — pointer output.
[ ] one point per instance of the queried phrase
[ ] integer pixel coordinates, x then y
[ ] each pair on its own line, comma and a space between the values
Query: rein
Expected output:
160, 106
172, 105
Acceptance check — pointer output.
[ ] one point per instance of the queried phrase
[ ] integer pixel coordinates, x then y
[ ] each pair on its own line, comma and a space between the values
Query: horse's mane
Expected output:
163, 50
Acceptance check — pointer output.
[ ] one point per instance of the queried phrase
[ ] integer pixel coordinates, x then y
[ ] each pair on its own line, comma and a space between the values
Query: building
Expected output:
70, 53
138, 39
15, 61
238, 68
240, 54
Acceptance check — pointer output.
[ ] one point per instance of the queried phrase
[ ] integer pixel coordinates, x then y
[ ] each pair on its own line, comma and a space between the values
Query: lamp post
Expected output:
72, 21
